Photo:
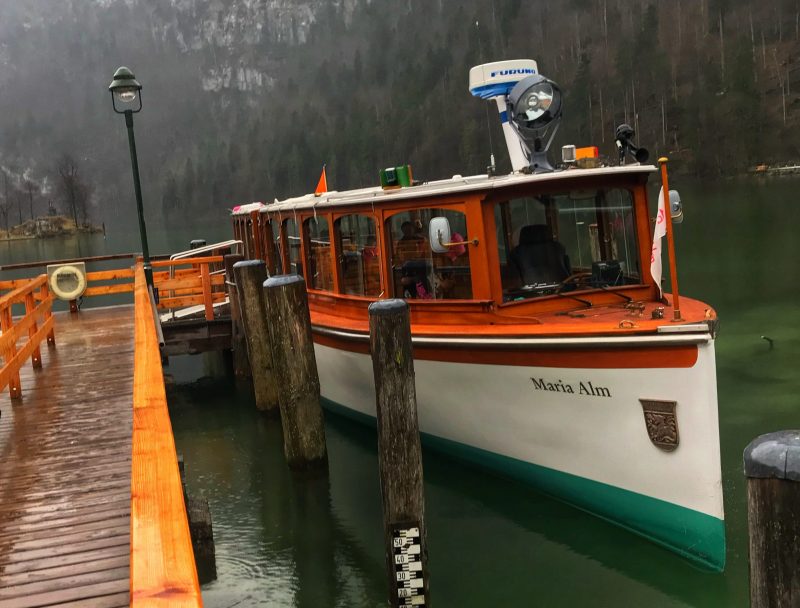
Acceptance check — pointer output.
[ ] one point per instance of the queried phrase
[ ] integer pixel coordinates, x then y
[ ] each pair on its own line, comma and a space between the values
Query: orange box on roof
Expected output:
587, 152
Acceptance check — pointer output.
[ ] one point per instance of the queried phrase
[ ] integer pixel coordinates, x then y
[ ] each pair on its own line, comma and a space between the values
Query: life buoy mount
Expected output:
67, 281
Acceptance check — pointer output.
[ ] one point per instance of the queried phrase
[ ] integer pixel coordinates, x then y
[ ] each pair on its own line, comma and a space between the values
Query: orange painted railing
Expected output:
163, 571
98, 283
180, 283
35, 296
189, 282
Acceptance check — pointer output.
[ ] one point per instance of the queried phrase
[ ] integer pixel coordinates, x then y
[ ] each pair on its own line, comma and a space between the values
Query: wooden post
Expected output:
241, 366
399, 453
296, 366
6, 323
772, 468
208, 303
201, 530
250, 275
44, 293
36, 356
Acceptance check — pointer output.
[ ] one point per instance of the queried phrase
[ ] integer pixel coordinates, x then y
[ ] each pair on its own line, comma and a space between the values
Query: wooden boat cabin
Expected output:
515, 247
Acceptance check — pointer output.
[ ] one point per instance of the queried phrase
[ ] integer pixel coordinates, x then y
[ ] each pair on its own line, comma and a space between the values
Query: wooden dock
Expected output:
65, 452
91, 505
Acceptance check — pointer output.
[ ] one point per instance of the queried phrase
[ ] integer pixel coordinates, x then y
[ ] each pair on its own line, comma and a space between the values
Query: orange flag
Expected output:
322, 185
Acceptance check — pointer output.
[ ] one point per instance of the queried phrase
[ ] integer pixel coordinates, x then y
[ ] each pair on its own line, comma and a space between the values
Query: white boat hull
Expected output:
577, 433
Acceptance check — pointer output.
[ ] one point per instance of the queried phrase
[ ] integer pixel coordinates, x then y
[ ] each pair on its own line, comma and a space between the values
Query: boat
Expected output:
544, 349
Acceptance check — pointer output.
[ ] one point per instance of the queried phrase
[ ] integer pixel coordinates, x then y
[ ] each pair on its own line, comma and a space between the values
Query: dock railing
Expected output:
35, 296
163, 571
180, 283
190, 282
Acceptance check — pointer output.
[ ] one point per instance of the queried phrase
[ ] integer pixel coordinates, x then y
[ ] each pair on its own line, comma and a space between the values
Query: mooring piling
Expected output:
399, 453
772, 468
250, 275
296, 366
241, 365
198, 514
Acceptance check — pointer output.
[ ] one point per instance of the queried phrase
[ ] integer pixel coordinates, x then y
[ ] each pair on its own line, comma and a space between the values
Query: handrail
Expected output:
205, 248
87, 259
33, 291
192, 286
181, 283
163, 571
122, 276
209, 259
96, 258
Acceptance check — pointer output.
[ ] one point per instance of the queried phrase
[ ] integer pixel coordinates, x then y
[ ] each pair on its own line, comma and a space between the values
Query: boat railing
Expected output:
34, 295
214, 249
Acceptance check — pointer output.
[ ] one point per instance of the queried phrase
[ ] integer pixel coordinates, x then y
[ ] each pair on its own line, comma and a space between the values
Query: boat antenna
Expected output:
491, 167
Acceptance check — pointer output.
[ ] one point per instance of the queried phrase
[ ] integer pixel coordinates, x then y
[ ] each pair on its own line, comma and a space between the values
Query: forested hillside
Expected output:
246, 99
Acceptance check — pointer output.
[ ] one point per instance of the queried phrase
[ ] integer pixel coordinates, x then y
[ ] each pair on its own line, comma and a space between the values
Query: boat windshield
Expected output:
566, 242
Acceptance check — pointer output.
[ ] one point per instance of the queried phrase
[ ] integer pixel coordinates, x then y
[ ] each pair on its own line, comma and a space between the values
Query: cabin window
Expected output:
292, 232
359, 255
557, 243
418, 272
320, 271
276, 239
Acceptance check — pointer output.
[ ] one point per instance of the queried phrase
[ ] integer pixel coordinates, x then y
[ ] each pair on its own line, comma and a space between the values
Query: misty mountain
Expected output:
247, 99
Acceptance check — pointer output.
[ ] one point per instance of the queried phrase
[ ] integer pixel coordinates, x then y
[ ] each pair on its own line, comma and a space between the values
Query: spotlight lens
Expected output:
126, 94
537, 100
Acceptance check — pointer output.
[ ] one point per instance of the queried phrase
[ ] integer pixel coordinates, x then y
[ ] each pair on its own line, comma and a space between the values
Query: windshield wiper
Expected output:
616, 293
586, 303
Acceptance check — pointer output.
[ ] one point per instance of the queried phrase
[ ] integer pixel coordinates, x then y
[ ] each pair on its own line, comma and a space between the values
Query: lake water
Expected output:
288, 542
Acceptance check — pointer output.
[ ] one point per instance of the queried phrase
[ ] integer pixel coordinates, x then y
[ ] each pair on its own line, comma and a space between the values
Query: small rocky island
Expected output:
47, 227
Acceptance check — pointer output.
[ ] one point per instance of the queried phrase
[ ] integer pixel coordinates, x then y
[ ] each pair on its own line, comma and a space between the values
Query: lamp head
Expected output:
534, 103
125, 91
534, 106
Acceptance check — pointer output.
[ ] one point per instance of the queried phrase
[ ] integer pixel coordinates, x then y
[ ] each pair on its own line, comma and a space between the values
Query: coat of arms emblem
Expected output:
661, 423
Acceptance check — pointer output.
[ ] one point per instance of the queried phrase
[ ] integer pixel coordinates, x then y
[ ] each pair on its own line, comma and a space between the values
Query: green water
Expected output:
287, 542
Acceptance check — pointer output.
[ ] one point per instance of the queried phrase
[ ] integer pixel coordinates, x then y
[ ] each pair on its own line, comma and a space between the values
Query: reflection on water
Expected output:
292, 542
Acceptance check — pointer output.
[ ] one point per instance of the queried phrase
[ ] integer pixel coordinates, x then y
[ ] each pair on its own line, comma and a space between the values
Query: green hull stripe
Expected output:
696, 536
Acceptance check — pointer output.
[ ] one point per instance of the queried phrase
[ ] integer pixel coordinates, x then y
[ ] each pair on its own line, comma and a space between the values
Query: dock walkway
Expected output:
65, 474
92, 508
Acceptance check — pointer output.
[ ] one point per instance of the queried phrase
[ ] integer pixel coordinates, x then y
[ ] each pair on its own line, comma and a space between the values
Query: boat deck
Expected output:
65, 449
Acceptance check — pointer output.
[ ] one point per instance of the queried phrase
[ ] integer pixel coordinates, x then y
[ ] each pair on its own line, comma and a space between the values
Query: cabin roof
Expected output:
453, 185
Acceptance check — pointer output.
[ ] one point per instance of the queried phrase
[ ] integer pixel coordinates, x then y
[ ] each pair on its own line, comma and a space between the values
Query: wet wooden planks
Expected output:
65, 462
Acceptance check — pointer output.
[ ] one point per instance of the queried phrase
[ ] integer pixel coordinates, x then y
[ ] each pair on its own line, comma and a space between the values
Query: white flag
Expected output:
660, 231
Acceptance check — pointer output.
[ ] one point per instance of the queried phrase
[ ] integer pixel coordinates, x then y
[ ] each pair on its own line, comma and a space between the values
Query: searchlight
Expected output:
529, 105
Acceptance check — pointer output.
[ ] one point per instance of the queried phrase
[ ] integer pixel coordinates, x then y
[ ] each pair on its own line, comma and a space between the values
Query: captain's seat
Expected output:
538, 258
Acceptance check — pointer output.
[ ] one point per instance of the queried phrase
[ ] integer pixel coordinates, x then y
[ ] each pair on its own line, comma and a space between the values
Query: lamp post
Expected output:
127, 93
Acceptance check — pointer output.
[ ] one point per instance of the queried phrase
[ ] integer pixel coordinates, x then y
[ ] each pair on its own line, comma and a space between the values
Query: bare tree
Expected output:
73, 189
5, 204
18, 196
31, 187
4, 209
